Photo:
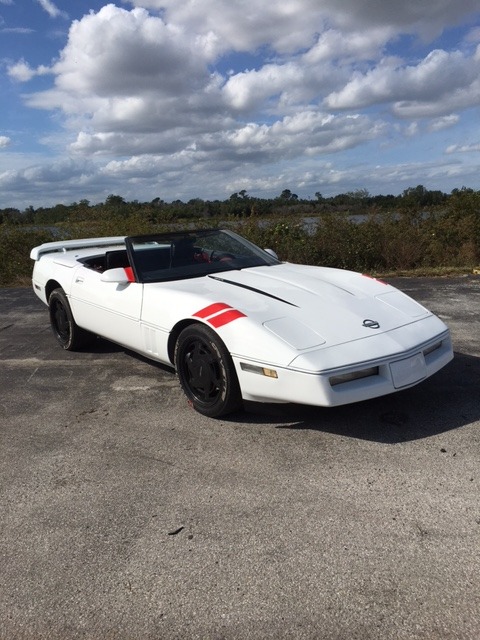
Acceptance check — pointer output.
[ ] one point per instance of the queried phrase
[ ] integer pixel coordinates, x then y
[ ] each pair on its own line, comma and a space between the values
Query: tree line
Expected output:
419, 231
239, 204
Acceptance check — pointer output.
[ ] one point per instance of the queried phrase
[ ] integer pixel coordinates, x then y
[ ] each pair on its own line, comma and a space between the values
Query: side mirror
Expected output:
118, 276
272, 253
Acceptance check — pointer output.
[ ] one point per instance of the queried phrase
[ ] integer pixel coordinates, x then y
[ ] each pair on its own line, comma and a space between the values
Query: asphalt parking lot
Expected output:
126, 515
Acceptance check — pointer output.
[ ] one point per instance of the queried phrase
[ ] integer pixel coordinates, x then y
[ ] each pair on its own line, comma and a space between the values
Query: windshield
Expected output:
191, 254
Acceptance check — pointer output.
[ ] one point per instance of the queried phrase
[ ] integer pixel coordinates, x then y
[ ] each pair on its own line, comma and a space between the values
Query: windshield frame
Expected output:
212, 251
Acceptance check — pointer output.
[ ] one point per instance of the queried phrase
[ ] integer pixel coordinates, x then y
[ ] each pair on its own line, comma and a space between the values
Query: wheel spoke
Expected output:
61, 321
203, 374
206, 372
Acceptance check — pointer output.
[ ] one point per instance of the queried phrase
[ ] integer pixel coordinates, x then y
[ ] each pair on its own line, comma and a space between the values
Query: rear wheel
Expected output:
206, 372
68, 334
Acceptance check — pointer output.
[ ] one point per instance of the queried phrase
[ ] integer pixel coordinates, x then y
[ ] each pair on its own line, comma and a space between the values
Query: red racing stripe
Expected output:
211, 309
226, 317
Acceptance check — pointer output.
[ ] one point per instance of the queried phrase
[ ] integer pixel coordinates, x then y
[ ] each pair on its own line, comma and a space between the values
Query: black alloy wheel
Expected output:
206, 372
68, 334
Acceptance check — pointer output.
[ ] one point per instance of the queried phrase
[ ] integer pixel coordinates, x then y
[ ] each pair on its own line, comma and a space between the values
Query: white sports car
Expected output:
235, 322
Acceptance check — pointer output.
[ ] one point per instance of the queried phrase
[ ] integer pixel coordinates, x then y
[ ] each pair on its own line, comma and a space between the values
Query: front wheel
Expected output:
206, 372
68, 334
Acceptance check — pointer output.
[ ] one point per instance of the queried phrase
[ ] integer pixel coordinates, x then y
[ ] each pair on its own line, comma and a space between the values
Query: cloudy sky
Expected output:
180, 99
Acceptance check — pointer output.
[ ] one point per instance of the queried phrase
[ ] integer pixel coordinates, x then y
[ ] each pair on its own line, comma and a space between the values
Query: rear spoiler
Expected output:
69, 245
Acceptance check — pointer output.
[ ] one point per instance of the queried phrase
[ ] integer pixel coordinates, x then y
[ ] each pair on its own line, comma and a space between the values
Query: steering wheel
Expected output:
221, 256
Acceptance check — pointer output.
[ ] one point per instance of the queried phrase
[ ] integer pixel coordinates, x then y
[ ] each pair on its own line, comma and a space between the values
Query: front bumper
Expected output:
334, 386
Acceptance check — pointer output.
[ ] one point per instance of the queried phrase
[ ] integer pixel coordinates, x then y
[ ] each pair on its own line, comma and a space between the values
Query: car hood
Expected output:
309, 306
301, 307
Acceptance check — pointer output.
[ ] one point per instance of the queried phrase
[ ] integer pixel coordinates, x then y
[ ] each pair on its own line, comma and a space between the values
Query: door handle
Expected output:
78, 279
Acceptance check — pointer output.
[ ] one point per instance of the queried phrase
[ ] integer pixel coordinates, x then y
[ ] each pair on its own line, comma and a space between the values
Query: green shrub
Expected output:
16, 242
409, 239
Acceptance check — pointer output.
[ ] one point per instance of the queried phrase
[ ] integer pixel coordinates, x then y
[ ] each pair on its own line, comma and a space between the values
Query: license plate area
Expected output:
408, 371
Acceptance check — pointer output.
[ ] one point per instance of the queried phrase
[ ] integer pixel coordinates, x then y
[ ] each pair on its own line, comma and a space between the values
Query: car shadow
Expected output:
448, 400
102, 345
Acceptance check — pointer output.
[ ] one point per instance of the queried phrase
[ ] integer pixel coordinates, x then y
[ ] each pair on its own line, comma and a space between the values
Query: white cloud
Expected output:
307, 133
20, 30
438, 124
130, 61
463, 148
473, 35
146, 177
244, 26
334, 44
127, 74
52, 10
158, 92
412, 129
4, 142
22, 72
438, 84
458, 100
292, 24
279, 87
408, 16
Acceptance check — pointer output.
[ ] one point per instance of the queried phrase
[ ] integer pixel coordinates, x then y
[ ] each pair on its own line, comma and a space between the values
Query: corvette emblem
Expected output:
371, 324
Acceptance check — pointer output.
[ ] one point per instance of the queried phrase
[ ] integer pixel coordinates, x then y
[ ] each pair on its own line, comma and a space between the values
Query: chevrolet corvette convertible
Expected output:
235, 322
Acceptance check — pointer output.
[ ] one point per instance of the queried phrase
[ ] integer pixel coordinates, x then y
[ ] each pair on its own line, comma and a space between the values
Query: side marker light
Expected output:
263, 371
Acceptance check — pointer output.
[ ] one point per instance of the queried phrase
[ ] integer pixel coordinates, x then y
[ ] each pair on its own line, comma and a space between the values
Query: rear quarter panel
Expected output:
51, 268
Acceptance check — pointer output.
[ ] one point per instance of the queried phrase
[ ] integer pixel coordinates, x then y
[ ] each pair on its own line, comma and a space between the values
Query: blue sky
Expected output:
177, 100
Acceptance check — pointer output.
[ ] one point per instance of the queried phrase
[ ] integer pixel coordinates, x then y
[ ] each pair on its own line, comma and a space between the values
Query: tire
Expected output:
206, 372
68, 334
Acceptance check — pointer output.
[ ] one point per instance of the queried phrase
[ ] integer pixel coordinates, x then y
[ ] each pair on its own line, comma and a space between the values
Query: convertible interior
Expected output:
171, 256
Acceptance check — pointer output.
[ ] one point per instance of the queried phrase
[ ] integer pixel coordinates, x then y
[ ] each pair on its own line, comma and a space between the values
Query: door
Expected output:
108, 309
